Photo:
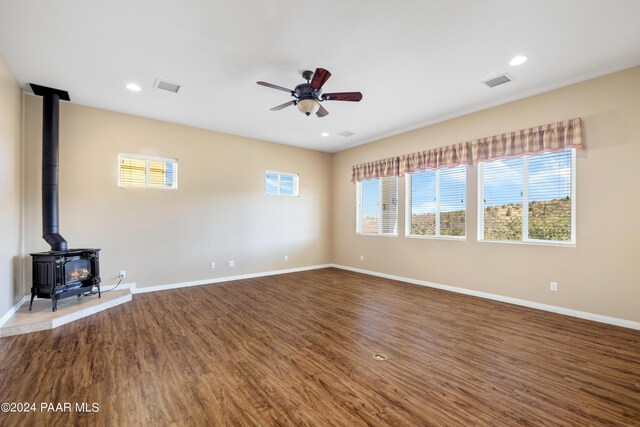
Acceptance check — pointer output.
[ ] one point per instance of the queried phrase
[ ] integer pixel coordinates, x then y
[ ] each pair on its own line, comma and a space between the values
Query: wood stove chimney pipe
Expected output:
50, 164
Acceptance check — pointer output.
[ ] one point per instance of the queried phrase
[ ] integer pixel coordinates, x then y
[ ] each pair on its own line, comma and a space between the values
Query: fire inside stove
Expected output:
78, 272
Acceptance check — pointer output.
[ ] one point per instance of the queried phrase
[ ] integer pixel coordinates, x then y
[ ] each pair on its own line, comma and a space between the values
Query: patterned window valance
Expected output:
436, 158
377, 169
550, 137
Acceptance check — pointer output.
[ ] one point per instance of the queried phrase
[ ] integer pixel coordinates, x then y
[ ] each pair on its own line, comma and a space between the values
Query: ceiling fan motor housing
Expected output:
305, 91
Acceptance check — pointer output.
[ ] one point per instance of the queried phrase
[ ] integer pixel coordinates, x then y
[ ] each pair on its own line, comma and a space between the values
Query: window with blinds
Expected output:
528, 199
377, 206
437, 203
147, 172
280, 184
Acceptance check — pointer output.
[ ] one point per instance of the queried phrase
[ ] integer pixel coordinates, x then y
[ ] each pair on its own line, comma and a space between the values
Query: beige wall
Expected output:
600, 275
10, 190
218, 213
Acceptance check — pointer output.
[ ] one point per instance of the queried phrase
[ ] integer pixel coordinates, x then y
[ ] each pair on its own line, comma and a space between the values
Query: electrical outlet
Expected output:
213, 265
286, 257
553, 286
123, 274
361, 257
232, 264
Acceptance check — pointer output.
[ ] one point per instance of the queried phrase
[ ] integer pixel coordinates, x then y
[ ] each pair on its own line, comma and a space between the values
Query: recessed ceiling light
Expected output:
518, 60
324, 134
133, 87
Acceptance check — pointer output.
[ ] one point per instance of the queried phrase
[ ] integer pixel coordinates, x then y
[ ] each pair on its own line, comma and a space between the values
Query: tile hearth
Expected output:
42, 318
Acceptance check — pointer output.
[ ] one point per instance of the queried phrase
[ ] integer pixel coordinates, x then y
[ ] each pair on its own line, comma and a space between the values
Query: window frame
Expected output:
148, 159
408, 213
296, 183
525, 207
380, 221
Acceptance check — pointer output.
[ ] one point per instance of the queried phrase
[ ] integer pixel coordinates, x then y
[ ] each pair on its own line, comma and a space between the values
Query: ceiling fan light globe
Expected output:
308, 106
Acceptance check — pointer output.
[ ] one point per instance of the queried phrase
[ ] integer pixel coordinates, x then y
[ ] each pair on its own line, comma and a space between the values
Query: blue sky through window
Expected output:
371, 198
168, 174
286, 185
549, 178
503, 182
423, 192
271, 184
453, 190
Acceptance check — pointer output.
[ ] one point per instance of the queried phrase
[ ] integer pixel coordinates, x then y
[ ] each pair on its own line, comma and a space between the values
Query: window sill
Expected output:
376, 235
457, 238
135, 187
530, 242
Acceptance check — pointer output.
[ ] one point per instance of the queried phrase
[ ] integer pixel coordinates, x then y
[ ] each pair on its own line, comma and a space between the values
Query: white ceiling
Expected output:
416, 61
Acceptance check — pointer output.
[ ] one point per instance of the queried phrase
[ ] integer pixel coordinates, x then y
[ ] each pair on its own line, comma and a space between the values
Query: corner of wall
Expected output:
23, 197
332, 204
12, 188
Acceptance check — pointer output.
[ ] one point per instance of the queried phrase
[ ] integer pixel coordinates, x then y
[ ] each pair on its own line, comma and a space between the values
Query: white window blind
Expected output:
147, 172
377, 206
389, 201
437, 202
280, 184
528, 199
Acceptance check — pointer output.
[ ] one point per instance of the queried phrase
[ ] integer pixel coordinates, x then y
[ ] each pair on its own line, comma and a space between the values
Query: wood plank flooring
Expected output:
297, 349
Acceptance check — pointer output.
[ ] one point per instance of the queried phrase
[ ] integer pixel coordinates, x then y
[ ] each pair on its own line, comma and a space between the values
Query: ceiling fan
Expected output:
308, 96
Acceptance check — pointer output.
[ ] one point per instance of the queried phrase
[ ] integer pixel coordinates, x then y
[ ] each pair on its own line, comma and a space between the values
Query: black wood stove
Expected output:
61, 272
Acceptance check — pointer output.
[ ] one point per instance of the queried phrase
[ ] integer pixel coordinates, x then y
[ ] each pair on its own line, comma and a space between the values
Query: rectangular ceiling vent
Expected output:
346, 134
165, 85
497, 81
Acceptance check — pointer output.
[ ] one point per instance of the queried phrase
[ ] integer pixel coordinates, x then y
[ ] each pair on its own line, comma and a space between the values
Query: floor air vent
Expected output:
165, 85
497, 81
379, 357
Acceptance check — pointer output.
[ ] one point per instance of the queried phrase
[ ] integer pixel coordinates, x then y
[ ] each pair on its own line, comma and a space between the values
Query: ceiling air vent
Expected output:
497, 81
346, 134
165, 85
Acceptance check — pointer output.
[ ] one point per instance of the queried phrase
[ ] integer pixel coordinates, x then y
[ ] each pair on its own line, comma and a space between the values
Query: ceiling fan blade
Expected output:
342, 96
281, 106
284, 89
320, 77
321, 112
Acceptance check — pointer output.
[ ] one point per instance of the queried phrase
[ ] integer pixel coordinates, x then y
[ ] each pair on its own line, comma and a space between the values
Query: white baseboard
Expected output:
13, 309
130, 285
167, 286
525, 303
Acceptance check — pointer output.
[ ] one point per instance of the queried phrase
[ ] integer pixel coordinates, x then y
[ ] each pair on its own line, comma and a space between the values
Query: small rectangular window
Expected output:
377, 202
147, 172
437, 203
280, 184
528, 199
